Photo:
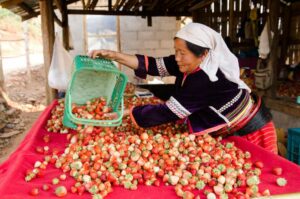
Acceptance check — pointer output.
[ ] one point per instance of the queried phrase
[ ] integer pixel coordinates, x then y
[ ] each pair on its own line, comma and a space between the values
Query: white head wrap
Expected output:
219, 56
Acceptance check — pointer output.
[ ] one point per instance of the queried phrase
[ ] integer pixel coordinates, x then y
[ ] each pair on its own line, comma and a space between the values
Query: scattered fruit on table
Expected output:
266, 192
98, 158
277, 171
61, 191
96, 109
281, 182
259, 164
129, 89
54, 123
34, 192
46, 138
45, 187
55, 181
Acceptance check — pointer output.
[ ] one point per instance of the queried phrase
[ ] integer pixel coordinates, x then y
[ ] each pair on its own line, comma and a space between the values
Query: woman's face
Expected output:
185, 59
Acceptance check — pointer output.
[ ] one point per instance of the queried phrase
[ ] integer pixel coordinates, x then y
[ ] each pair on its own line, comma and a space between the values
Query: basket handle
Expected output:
107, 62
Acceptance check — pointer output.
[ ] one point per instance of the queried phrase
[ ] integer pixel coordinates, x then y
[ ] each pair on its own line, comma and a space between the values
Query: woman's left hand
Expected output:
126, 112
114, 115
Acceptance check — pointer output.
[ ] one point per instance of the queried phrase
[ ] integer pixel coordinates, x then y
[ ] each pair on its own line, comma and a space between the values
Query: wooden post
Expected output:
46, 9
273, 17
65, 25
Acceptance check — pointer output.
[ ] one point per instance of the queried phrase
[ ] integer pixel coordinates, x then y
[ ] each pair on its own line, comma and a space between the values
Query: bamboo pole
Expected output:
27, 52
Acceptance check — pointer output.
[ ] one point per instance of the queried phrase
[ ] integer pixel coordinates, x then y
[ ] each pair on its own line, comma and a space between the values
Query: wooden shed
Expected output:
239, 21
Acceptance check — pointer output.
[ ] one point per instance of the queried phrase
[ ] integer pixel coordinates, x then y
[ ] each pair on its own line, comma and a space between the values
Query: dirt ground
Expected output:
24, 97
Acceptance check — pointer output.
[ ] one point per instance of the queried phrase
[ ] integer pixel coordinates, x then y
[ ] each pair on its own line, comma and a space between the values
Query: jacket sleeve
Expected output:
179, 106
162, 66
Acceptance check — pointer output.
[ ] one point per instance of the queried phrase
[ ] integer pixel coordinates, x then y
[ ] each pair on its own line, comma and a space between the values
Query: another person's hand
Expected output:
107, 54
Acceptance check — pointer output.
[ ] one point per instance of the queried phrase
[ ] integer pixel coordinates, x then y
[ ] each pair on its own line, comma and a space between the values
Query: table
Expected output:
12, 171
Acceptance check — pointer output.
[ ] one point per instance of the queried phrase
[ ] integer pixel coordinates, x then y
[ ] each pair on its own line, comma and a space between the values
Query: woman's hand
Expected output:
114, 115
107, 54
130, 61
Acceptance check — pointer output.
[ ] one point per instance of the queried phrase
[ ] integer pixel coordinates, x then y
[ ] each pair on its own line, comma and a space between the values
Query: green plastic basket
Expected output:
94, 78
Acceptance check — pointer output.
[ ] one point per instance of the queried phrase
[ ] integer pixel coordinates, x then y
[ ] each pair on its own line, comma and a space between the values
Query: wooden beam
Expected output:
57, 20
27, 8
120, 5
179, 3
138, 5
58, 5
149, 21
24, 18
47, 23
116, 5
109, 5
227, 13
88, 4
129, 13
29, 16
93, 4
202, 4
130, 4
10, 3
127, 4
83, 4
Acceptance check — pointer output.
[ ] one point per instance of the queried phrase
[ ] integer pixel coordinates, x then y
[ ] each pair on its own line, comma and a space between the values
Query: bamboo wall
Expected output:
293, 48
219, 17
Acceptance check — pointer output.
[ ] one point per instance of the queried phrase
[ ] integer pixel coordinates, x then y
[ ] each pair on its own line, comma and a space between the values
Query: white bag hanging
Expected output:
61, 66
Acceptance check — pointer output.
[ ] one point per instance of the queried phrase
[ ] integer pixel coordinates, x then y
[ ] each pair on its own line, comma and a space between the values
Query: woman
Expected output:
209, 94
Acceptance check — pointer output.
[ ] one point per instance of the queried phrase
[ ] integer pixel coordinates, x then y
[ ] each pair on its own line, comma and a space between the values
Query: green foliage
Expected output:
4, 13
13, 23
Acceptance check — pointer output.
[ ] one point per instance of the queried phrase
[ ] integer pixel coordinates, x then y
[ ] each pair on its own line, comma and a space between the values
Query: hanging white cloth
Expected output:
60, 70
264, 42
219, 56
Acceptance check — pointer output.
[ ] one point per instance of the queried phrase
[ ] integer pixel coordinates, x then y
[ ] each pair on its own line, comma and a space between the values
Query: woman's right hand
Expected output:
107, 54
128, 60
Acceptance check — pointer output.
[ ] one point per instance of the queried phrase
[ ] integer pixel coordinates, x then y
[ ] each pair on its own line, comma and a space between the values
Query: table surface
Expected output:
12, 171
